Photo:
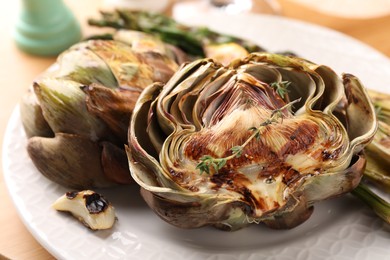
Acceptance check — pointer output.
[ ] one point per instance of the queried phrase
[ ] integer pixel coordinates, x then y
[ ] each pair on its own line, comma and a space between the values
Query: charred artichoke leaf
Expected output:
264, 162
114, 163
133, 70
114, 107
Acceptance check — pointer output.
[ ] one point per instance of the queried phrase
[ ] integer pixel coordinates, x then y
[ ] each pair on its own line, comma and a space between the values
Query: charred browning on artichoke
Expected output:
291, 176
242, 156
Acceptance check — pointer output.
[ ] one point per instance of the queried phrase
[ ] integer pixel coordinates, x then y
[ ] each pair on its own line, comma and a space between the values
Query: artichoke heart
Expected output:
260, 140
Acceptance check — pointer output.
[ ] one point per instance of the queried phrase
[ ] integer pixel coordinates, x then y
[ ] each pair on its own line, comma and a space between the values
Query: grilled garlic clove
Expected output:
91, 208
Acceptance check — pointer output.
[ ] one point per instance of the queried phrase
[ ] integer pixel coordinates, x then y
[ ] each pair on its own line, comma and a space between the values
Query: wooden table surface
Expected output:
19, 69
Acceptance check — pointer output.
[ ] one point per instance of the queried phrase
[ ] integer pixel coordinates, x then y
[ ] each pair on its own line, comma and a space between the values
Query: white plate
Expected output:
341, 228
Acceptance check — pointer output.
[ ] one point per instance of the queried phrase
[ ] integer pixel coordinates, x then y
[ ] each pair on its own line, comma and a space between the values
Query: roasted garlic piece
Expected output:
89, 207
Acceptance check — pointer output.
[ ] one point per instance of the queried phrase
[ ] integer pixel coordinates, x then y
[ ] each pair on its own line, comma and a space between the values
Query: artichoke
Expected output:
375, 186
77, 113
378, 152
260, 140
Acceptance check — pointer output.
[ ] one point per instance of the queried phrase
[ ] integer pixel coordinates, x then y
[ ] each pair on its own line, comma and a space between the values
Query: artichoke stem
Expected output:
379, 205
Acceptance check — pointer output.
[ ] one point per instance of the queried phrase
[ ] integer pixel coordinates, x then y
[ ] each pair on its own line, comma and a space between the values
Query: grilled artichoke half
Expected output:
208, 149
76, 114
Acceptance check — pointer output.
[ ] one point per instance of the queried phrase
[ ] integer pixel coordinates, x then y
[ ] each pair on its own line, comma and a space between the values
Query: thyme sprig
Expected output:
207, 161
281, 87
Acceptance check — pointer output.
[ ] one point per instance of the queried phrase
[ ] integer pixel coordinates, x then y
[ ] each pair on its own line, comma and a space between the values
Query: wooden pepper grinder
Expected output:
46, 27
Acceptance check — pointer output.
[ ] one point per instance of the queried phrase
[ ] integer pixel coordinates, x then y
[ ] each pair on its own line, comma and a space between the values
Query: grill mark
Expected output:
237, 182
290, 176
197, 147
182, 179
301, 138
228, 178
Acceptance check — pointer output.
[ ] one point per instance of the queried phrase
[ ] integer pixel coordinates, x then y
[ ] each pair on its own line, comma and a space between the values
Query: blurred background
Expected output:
367, 21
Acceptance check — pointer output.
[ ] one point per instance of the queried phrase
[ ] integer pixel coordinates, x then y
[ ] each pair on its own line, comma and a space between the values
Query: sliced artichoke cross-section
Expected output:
260, 140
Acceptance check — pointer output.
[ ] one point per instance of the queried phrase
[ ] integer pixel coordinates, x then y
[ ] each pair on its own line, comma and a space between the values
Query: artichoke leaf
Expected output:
378, 154
63, 107
294, 64
333, 93
184, 96
378, 166
195, 214
382, 103
361, 132
81, 64
114, 164
69, 160
340, 182
291, 218
166, 119
113, 106
378, 160
143, 155
133, 70
33, 121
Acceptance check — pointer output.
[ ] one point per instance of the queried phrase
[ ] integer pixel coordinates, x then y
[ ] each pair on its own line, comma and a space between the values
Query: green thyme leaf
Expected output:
281, 87
237, 150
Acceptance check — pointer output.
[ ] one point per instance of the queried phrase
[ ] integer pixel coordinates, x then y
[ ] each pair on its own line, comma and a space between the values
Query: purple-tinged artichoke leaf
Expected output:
193, 214
70, 160
113, 106
291, 219
115, 164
